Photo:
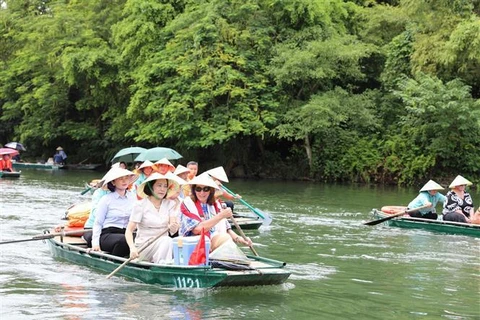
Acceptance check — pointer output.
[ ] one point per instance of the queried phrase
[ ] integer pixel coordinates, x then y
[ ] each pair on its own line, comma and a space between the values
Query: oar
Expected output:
267, 219
243, 235
48, 236
374, 222
145, 245
86, 190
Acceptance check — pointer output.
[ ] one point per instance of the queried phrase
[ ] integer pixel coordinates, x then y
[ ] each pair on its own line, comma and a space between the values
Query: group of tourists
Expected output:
131, 207
457, 203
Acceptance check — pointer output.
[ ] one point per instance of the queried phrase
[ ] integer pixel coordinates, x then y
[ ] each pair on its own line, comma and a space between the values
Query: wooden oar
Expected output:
145, 245
48, 236
267, 219
374, 222
243, 235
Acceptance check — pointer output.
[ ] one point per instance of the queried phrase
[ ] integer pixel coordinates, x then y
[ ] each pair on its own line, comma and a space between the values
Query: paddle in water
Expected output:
267, 218
375, 222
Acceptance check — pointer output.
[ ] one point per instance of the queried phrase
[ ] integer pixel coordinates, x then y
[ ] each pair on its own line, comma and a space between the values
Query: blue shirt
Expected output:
113, 210
424, 197
97, 195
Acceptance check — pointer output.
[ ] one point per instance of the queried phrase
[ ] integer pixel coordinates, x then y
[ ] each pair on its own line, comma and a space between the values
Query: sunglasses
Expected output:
204, 189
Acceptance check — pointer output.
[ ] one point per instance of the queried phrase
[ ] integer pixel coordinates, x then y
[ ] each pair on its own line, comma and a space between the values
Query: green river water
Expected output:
340, 268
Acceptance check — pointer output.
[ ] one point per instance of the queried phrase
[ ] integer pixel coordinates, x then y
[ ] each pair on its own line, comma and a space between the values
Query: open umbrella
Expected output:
16, 146
9, 151
157, 153
127, 154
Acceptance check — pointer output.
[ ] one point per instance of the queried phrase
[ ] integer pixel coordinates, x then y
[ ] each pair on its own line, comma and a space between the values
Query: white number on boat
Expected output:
186, 282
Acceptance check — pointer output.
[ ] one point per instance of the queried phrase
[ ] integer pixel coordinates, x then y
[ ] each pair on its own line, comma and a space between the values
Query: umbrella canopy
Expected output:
127, 154
157, 153
16, 146
9, 151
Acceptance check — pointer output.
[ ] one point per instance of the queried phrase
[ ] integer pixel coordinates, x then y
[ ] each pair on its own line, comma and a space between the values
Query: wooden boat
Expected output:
88, 166
431, 225
263, 271
39, 166
11, 174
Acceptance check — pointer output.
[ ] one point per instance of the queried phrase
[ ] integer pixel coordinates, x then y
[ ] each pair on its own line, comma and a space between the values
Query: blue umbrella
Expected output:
157, 153
127, 154
16, 146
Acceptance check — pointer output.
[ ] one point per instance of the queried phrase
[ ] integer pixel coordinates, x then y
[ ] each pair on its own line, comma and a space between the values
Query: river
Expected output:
340, 268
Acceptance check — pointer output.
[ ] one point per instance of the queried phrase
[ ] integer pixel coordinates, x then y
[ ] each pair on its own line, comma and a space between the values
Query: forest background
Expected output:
328, 90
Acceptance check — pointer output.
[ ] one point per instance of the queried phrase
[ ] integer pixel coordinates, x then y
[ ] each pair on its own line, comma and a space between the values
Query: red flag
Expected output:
199, 254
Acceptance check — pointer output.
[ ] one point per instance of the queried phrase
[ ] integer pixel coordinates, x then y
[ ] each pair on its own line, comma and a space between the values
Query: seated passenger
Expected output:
6, 163
153, 215
459, 204
201, 211
113, 213
428, 196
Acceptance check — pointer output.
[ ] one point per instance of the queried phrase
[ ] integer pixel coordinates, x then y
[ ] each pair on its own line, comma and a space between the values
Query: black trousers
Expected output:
430, 215
112, 240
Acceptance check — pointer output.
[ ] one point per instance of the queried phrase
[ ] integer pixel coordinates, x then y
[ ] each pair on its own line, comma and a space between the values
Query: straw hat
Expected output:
459, 181
174, 183
165, 161
218, 173
115, 173
180, 169
204, 180
431, 186
146, 164
59, 148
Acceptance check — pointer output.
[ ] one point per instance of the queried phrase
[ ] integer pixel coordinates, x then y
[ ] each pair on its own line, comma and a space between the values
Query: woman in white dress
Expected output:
154, 214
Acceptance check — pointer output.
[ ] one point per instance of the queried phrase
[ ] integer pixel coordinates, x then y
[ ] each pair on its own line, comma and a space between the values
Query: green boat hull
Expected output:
7, 174
31, 165
430, 225
173, 276
247, 223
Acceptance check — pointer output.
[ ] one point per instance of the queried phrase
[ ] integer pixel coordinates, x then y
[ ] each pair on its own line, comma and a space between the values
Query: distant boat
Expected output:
450, 227
89, 166
33, 165
11, 174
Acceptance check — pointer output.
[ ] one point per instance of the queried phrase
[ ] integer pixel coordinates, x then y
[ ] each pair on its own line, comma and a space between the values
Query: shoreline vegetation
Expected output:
383, 92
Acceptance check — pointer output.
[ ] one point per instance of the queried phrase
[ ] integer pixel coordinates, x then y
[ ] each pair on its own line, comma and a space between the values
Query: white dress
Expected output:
152, 222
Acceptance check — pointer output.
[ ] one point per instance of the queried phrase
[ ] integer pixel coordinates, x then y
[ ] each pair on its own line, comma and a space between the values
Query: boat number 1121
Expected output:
185, 282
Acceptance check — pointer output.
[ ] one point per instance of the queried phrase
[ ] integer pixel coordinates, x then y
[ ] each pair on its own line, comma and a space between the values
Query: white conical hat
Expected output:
173, 183
218, 173
165, 161
115, 173
204, 180
459, 181
181, 169
145, 164
431, 185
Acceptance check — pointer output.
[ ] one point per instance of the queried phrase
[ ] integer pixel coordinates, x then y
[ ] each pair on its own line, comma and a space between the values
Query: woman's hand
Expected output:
173, 227
247, 241
96, 248
133, 253
226, 213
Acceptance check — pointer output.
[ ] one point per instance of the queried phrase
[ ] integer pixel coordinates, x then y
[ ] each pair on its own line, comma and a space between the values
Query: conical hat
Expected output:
204, 180
180, 169
459, 181
218, 173
431, 185
173, 183
115, 173
164, 161
59, 148
146, 164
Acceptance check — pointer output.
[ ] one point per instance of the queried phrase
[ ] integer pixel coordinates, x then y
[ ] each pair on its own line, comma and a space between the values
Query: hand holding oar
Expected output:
267, 219
375, 222
48, 236
145, 245
243, 235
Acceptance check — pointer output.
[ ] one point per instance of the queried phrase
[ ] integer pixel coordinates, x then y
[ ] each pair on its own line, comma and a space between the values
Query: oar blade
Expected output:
267, 219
